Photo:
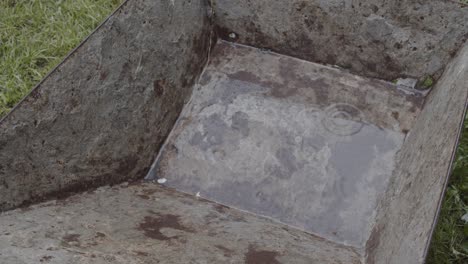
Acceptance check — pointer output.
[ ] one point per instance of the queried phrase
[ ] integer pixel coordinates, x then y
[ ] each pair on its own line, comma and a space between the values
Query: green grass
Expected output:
450, 242
428, 82
35, 35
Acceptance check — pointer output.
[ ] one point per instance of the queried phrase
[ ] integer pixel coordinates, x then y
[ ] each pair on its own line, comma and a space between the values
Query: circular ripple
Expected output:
343, 119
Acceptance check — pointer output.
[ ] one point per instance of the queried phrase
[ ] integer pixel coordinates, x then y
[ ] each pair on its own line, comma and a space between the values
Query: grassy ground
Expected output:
36, 34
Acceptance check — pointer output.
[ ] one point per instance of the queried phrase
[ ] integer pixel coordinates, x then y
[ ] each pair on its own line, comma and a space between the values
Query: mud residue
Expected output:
158, 87
127, 164
226, 251
226, 34
103, 75
255, 256
141, 253
46, 259
222, 209
245, 76
146, 194
373, 244
100, 235
289, 83
71, 238
284, 167
240, 122
252, 78
152, 226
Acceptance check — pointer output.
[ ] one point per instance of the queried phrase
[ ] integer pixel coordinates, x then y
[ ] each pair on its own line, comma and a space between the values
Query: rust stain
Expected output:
35, 94
141, 253
99, 234
152, 226
252, 78
74, 102
226, 251
103, 75
70, 238
373, 243
46, 258
158, 87
146, 193
222, 209
212, 218
127, 165
289, 84
219, 54
254, 256
144, 196
245, 76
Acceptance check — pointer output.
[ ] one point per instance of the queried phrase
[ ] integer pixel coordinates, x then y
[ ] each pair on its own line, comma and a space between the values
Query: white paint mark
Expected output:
162, 181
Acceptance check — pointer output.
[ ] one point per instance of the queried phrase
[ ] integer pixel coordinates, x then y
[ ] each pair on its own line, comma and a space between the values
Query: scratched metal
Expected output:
307, 145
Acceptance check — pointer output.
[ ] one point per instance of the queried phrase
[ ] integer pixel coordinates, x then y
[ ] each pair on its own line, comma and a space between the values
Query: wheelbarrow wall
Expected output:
102, 114
375, 38
409, 210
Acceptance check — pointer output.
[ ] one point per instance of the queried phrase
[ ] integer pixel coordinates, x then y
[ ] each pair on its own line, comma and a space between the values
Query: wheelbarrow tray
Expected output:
241, 132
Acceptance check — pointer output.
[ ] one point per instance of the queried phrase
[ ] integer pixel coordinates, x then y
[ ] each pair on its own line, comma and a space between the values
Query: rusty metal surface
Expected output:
102, 114
304, 144
147, 224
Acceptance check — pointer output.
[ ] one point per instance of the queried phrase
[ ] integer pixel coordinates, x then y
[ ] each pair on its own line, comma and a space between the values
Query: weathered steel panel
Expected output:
360, 162
409, 210
147, 224
102, 114
377, 38
305, 144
